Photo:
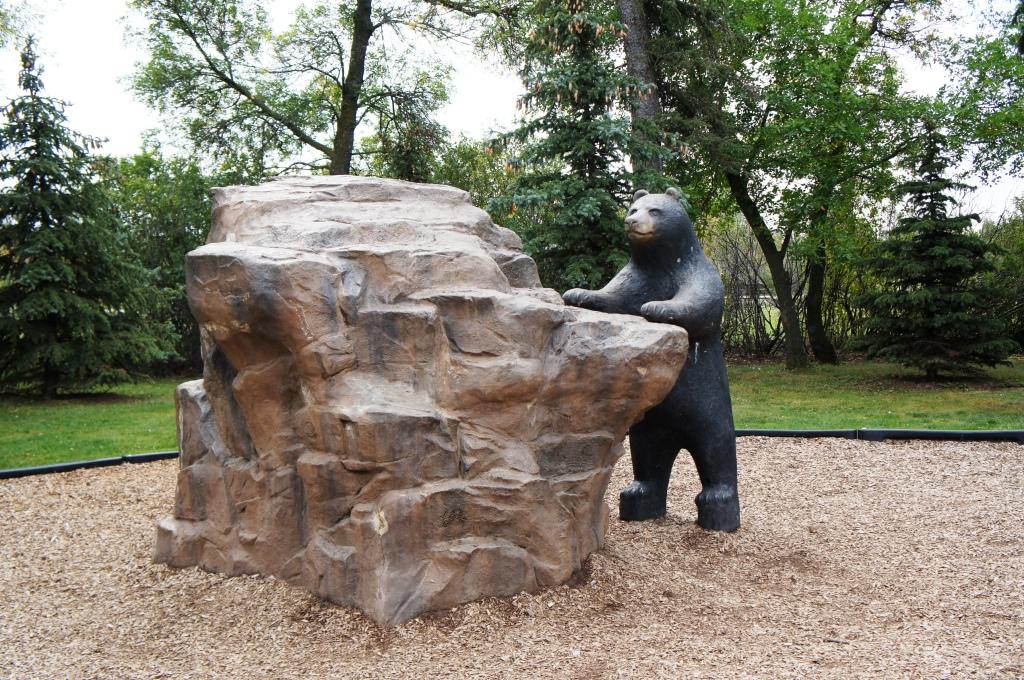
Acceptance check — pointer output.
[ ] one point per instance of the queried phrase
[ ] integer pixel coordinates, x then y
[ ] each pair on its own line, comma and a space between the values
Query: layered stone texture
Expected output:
393, 412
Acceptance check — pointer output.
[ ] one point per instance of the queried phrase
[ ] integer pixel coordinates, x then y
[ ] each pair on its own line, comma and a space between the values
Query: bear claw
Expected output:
640, 501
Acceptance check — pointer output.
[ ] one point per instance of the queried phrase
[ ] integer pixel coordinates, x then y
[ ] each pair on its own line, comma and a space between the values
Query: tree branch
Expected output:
260, 103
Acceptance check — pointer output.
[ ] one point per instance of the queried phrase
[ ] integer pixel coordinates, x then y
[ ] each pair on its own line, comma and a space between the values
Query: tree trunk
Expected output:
796, 354
344, 134
817, 336
646, 107
50, 383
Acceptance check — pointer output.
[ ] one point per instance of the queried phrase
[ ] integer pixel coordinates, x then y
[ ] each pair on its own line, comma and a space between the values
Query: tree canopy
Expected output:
794, 109
795, 116
259, 98
164, 203
1007, 276
8, 23
984, 98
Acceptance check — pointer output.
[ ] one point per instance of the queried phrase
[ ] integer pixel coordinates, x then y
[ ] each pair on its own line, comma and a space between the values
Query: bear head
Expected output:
658, 219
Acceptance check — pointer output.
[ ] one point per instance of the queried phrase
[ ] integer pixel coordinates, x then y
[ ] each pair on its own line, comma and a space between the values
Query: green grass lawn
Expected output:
140, 418
868, 394
132, 419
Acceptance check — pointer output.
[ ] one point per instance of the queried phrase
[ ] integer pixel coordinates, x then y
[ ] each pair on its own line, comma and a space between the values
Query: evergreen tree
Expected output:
932, 312
575, 138
75, 310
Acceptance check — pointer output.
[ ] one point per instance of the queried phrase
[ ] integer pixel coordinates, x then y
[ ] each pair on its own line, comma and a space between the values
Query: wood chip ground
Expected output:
855, 560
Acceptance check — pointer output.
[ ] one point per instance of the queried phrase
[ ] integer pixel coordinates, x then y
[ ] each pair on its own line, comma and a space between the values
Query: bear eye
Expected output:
631, 211
654, 211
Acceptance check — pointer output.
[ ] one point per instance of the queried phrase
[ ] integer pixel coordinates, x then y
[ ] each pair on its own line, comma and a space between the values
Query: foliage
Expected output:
477, 167
164, 203
985, 97
488, 172
485, 170
932, 312
257, 100
1007, 276
574, 141
407, 139
76, 309
750, 320
8, 22
796, 110
751, 324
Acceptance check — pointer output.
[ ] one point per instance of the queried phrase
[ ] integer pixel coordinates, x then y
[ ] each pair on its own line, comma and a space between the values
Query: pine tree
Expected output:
932, 312
575, 138
75, 309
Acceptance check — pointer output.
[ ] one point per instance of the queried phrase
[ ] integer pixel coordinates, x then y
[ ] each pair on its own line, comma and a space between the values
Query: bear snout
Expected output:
639, 229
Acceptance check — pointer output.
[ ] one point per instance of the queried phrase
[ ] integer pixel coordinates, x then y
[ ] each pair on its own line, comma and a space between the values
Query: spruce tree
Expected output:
932, 311
575, 137
75, 309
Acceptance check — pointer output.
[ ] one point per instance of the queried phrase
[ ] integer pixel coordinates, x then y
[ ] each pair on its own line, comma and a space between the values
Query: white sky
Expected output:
87, 63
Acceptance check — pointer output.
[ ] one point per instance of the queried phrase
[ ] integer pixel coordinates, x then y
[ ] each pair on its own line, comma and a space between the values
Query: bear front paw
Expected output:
577, 297
573, 296
659, 312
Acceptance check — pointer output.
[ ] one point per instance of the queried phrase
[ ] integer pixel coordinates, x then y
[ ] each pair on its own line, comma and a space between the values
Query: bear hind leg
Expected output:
718, 508
646, 497
718, 503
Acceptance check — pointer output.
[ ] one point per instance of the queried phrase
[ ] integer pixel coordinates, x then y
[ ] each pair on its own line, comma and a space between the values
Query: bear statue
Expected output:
670, 280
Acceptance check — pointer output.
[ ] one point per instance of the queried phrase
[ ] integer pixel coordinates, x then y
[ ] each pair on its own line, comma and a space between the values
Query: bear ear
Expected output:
640, 194
674, 193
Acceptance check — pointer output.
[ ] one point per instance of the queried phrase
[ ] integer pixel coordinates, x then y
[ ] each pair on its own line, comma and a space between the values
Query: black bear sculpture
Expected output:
669, 279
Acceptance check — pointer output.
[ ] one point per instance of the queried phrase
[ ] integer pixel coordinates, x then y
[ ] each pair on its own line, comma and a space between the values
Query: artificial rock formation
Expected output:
393, 412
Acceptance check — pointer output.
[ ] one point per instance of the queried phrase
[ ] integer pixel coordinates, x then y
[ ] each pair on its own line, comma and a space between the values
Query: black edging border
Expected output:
863, 434
14, 473
876, 435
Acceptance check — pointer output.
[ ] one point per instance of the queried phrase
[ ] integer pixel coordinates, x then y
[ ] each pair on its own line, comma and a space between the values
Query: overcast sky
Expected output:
87, 63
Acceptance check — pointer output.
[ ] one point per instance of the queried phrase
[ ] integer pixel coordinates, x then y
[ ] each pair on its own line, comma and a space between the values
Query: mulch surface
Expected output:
855, 559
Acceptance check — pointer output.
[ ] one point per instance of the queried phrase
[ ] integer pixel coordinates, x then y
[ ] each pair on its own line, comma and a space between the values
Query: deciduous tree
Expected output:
164, 204
8, 22
258, 98
797, 109
984, 97
1007, 235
